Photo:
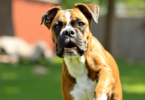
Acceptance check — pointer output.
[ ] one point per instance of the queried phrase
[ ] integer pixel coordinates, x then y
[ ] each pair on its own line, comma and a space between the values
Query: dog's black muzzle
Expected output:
70, 43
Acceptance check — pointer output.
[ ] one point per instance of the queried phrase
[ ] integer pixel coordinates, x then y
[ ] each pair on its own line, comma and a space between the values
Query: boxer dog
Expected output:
89, 72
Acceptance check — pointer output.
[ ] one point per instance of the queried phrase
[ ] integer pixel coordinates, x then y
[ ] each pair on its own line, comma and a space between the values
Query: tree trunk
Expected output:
109, 26
6, 27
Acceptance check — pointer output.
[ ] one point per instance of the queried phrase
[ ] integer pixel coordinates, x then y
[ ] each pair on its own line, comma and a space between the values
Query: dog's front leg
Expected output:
105, 83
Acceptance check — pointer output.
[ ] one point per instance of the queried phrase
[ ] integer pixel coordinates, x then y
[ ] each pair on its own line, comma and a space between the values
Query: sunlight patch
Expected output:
9, 76
134, 88
11, 90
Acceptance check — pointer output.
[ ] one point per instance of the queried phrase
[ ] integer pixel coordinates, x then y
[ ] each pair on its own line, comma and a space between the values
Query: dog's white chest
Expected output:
84, 87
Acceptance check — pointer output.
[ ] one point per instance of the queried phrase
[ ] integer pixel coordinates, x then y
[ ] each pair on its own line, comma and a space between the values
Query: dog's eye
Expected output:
57, 26
81, 24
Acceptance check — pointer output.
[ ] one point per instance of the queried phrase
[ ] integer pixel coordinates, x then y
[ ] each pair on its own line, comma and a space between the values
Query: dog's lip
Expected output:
70, 48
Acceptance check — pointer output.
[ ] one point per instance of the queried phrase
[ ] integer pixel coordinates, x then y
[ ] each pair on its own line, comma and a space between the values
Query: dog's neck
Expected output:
84, 85
76, 66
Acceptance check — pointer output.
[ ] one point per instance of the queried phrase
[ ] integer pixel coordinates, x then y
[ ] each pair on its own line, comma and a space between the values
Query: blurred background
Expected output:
29, 69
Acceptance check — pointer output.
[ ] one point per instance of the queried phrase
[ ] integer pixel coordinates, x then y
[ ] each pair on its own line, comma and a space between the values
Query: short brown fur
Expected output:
100, 64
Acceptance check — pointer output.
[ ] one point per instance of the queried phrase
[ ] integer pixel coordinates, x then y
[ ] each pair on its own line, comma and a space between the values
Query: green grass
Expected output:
132, 76
18, 82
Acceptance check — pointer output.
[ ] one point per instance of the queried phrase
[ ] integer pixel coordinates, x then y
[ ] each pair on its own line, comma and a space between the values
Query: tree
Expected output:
6, 27
109, 26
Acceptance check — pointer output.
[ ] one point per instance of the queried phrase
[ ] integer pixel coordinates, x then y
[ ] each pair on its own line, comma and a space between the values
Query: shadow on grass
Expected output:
133, 96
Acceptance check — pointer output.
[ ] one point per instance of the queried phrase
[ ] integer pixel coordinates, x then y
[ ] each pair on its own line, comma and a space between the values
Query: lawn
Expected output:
33, 81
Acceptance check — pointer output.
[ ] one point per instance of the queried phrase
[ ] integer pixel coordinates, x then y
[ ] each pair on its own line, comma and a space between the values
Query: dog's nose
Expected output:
69, 33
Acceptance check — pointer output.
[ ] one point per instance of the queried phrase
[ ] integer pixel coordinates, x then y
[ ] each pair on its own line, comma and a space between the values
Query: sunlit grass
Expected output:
11, 90
8, 76
19, 82
134, 88
132, 76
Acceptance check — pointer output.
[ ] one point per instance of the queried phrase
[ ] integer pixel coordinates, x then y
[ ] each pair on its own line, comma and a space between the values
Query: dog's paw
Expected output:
103, 97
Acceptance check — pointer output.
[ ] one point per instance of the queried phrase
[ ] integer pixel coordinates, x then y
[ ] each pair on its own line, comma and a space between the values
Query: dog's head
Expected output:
71, 28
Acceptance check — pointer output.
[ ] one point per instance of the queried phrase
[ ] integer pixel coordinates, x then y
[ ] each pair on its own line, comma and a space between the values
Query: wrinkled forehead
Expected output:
70, 15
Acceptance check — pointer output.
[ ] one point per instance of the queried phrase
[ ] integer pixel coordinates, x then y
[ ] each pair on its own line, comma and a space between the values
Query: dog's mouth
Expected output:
70, 50
69, 47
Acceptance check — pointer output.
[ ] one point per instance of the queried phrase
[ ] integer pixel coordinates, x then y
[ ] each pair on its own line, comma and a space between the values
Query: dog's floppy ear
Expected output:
89, 10
48, 17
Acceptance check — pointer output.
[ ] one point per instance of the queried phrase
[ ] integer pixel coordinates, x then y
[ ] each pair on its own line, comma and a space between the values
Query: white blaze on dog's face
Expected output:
71, 28
68, 20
